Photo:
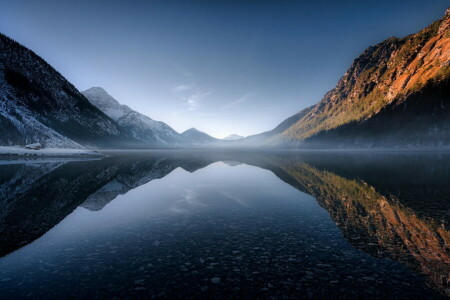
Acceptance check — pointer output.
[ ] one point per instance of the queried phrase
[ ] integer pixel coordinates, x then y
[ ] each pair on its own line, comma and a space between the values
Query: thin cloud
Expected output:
240, 100
182, 88
192, 104
193, 101
189, 92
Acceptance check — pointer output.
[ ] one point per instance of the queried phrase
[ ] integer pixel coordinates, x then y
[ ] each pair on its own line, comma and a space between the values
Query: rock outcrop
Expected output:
395, 93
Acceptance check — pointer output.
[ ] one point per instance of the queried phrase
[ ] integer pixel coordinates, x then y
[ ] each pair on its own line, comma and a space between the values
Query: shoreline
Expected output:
8, 152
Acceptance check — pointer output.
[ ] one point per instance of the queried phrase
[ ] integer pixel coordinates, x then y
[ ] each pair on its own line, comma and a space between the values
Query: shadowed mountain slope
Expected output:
37, 104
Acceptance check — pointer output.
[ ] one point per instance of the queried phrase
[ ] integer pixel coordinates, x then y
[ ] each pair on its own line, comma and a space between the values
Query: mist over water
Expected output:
193, 224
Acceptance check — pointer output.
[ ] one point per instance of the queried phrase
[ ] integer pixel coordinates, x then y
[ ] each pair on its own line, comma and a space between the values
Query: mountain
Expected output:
193, 136
233, 137
396, 93
139, 126
37, 104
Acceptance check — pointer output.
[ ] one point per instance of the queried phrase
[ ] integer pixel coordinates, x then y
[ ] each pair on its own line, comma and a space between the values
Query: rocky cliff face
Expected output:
393, 89
37, 104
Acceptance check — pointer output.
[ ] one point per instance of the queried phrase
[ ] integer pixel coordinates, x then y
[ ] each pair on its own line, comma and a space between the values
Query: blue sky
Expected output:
221, 66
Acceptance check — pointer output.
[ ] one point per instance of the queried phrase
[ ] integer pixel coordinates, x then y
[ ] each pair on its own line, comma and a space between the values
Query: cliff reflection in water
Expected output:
395, 206
387, 205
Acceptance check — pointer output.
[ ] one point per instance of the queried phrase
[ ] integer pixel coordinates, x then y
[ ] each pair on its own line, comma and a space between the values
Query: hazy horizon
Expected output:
223, 67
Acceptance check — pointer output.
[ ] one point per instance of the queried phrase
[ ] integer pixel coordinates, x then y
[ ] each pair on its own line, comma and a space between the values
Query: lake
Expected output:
235, 224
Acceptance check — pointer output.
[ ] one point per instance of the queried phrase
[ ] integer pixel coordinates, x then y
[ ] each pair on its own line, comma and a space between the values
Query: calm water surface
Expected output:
226, 225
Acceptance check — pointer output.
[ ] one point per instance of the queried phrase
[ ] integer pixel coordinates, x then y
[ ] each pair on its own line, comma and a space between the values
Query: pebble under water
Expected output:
226, 229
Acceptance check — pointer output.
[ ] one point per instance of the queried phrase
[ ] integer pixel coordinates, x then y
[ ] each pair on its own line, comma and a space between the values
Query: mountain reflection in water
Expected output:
392, 210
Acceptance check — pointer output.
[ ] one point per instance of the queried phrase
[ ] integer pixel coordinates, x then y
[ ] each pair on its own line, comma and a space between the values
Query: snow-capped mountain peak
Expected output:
106, 103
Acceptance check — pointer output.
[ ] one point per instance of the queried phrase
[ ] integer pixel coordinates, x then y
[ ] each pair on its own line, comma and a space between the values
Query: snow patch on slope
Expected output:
33, 130
60, 152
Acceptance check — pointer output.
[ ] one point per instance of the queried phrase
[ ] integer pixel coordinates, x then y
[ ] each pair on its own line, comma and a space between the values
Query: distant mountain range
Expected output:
145, 130
37, 104
395, 94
